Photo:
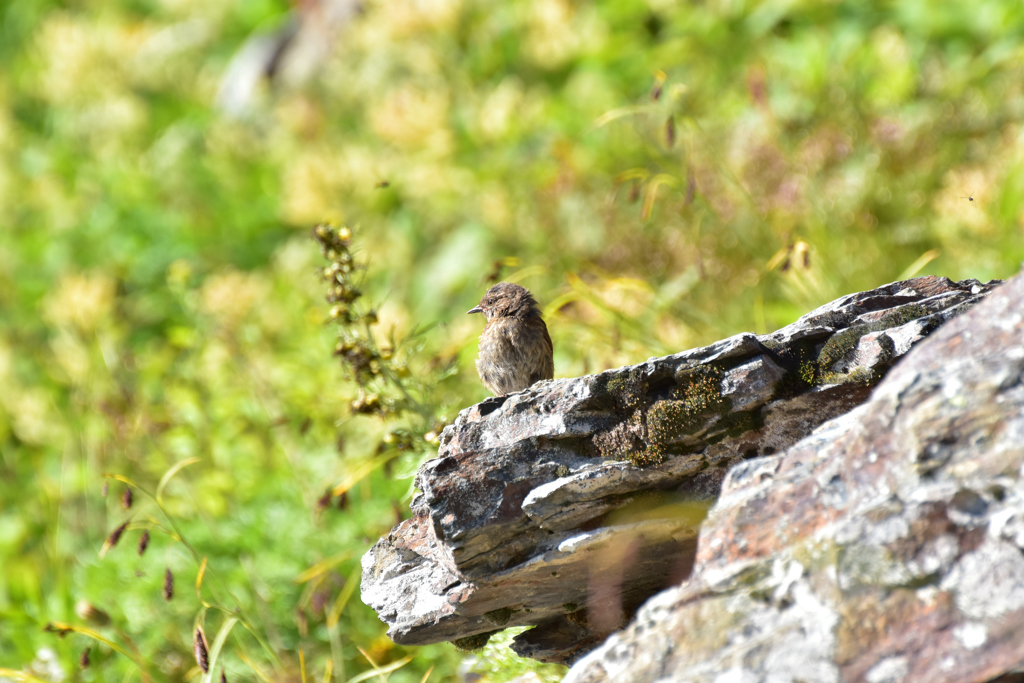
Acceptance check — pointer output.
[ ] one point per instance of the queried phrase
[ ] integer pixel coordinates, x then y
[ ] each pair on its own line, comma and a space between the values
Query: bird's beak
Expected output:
475, 310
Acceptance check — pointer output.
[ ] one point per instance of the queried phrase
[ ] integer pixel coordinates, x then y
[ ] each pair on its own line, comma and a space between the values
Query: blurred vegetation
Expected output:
660, 174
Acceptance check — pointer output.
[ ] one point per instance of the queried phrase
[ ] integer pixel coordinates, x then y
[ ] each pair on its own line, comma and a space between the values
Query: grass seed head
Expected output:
91, 613
112, 539
201, 650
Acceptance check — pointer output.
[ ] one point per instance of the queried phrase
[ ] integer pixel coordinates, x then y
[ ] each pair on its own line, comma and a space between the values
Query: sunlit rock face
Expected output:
886, 546
568, 505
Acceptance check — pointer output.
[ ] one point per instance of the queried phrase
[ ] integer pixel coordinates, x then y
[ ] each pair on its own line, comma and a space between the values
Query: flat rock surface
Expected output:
569, 504
886, 546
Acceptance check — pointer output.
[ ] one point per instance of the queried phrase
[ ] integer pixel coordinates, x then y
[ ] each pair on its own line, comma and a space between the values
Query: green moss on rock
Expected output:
475, 642
841, 343
698, 396
808, 371
647, 456
859, 375
903, 315
667, 421
499, 617
629, 390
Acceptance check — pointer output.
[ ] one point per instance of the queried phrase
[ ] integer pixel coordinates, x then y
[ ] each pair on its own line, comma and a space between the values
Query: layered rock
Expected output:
568, 505
887, 546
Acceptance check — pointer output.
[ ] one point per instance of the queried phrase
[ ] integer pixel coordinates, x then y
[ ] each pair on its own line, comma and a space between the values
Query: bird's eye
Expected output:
489, 301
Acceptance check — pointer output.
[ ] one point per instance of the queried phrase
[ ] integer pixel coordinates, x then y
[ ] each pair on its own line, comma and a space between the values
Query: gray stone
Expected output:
568, 505
883, 547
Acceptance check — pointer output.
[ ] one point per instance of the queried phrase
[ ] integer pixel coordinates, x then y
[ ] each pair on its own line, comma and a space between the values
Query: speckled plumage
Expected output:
515, 348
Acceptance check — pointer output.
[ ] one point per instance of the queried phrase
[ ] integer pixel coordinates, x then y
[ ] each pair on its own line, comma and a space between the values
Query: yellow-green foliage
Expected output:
495, 661
660, 175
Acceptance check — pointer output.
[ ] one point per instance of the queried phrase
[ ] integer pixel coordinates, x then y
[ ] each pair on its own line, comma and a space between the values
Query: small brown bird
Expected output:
515, 348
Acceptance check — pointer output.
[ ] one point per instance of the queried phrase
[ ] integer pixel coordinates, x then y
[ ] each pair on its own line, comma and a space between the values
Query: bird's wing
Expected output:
549, 369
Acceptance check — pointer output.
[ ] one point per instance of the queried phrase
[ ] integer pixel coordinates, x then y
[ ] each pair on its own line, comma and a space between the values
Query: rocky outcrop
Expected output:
887, 546
568, 505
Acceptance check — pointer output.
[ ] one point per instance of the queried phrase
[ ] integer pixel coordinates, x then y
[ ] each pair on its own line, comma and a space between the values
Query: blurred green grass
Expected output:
158, 289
